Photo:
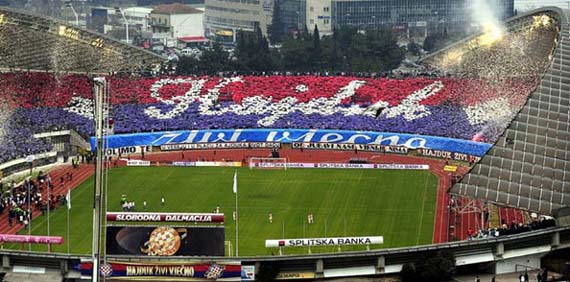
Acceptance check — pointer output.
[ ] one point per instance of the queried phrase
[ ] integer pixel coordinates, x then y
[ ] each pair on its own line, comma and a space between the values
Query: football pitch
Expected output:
397, 204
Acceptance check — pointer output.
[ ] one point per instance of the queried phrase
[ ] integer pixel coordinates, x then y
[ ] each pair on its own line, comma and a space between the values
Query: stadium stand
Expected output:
527, 169
40, 43
528, 166
468, 105
448, 107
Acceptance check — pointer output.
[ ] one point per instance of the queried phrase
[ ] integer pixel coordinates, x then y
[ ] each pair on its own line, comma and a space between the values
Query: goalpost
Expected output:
267, 163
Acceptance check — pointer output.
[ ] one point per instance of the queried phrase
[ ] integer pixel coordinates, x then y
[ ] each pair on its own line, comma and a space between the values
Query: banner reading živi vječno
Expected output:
210, 271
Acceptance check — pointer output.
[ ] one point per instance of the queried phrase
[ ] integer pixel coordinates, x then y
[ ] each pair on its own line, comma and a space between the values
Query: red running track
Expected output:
79, 175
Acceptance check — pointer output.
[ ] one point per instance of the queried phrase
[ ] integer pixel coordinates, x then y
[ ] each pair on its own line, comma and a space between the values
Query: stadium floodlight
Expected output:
119, 10
101, 90
61, 30
68, 32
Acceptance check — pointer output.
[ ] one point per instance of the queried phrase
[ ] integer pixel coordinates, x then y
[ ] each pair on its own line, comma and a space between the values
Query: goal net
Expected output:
268, 163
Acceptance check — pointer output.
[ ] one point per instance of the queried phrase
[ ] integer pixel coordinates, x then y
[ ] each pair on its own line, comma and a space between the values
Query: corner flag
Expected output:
235, 183
68, 199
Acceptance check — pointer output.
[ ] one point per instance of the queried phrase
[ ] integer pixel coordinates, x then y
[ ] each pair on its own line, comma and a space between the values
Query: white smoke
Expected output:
484, 14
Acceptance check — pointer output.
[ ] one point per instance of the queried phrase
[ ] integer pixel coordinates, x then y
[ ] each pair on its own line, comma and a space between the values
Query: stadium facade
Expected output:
539, 132
382, 12
226, 17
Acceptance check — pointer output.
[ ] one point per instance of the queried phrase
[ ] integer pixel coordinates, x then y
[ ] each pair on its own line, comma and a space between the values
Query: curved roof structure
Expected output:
529, 166
29, 41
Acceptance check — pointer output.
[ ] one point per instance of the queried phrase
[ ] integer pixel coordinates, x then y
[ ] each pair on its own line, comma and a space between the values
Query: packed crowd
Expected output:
29, 99
525, 50
20, 200
471, 91
512, 228
418, 71
450, 107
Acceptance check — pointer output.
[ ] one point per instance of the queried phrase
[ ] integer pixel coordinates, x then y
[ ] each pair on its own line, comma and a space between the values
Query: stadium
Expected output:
111, 172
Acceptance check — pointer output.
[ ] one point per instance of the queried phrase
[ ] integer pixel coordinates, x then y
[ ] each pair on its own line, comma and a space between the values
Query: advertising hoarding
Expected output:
11, 238
167, 271
165, 241
329, 241
164, 217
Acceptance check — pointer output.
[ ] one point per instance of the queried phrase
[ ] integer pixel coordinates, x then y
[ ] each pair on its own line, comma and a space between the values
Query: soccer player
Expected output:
162, 201
270, 217
234, 215
144, 205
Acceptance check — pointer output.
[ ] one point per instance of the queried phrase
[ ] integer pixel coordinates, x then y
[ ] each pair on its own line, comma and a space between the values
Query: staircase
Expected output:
495, 220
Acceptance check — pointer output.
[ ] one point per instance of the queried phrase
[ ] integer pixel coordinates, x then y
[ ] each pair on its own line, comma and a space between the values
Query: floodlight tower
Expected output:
120, 11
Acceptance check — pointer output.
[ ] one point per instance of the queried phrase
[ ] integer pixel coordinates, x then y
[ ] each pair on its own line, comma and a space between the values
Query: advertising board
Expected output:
165, 241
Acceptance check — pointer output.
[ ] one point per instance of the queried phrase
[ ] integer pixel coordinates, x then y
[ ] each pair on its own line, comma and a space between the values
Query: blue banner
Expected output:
410, 141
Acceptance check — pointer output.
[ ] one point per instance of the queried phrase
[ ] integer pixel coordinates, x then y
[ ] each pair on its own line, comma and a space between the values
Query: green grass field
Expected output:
398, 205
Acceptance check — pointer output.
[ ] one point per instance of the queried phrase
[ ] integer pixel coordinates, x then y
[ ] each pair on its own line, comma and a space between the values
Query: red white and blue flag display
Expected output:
457, 108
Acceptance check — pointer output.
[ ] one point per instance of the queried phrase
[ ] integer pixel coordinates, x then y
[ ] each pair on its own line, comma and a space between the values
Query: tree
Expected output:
211, 61
359, 54
246, 45
295, 54
258, 36
262, 59
388, 51
241, 46
334, 52
345, 34
408, 272
435, 41
188, 66
275, 30
316, 48
429, 43
438, 267
305, 35
346, 50
253, 53
414, 48
267, 272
